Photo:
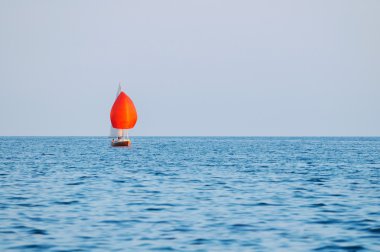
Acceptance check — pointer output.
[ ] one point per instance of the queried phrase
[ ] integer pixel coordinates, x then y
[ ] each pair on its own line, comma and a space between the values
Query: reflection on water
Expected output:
190, 194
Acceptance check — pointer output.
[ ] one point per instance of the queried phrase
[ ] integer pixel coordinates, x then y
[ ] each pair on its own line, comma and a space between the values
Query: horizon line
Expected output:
194, 136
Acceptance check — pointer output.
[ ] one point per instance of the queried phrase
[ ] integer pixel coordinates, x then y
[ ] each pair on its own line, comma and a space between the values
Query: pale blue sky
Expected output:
200, 67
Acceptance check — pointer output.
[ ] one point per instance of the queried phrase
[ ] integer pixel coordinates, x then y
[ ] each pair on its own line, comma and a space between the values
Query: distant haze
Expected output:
200, 67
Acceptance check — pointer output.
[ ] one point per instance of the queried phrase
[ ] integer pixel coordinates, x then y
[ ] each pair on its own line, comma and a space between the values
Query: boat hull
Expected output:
121, 144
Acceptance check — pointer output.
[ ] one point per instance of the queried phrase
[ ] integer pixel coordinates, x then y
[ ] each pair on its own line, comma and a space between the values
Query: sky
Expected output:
192, 68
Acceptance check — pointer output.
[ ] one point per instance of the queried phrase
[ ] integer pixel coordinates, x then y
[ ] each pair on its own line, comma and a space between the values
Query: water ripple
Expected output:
190, 194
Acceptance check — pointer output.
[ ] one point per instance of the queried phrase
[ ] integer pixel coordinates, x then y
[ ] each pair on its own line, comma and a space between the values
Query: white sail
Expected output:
115, 132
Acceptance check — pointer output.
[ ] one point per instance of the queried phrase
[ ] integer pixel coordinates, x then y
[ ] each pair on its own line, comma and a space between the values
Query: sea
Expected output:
190, 194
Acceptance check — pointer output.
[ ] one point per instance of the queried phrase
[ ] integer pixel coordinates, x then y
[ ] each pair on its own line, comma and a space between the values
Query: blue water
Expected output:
190, 194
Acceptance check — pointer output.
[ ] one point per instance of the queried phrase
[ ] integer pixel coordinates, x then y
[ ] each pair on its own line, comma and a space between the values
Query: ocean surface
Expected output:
190, 194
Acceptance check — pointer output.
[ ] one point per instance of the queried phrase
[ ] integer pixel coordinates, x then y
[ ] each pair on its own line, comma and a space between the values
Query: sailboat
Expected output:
123, 117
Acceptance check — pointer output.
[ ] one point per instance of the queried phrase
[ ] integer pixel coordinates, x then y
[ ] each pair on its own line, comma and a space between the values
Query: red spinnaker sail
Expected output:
123, 112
